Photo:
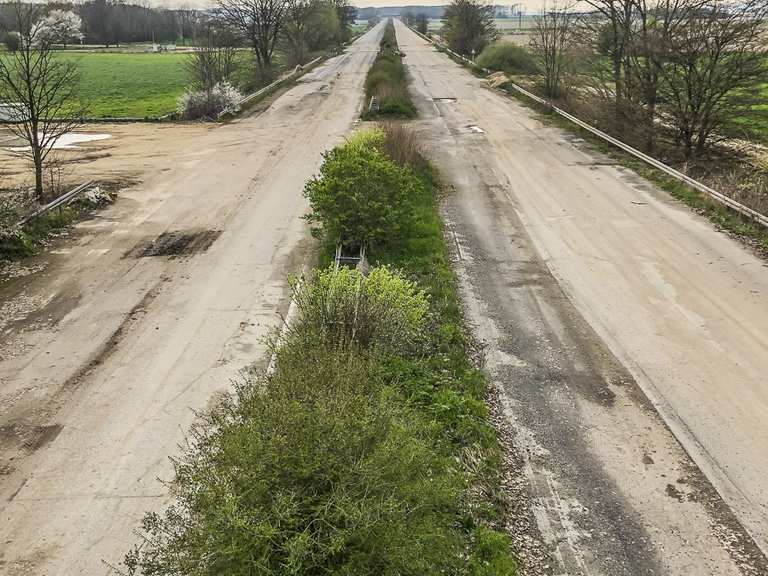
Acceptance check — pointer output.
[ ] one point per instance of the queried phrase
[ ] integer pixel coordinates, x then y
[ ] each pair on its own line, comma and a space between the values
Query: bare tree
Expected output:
552, 40
214, 60
654, 24
716, 61
260, 21
610, 27
41, 90
469, 26
298, 14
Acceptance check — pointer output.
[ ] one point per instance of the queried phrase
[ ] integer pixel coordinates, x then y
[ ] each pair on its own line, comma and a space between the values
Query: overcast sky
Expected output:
528, 4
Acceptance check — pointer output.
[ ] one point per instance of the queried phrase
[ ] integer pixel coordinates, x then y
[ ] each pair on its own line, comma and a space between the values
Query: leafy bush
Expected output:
344, 309
209, 104
387, 80
360, 194
320, 471
507, 57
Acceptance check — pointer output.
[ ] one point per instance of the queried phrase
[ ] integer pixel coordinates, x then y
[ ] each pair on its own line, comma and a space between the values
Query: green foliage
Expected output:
367, 451
469, 26
323, 27
26, 241
507, 57
346, 310
321, 471
387, 80
490, 557
361, 195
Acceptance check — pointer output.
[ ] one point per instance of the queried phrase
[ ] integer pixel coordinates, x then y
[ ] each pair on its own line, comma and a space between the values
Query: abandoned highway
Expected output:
626, 338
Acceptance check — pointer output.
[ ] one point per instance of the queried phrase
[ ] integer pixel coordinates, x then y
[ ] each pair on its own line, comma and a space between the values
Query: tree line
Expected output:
671, 76
665, 71
111, 22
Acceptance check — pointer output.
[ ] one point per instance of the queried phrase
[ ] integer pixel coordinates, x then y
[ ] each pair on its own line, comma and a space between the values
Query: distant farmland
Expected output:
130, 85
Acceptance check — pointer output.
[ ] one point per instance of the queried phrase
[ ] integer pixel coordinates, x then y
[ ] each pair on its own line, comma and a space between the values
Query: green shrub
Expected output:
387, 80
319, 471
361, 195
507, 57
25, 241
345, 310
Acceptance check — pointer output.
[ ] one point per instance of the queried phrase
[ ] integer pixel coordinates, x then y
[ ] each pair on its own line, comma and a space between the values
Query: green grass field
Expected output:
759, 124
130, 85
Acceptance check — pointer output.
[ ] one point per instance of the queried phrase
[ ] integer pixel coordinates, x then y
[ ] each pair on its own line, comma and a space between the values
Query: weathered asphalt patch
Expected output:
174, 244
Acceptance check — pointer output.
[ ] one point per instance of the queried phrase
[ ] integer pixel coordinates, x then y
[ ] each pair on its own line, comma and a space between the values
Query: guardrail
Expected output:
298, 71
62, 200
703, 188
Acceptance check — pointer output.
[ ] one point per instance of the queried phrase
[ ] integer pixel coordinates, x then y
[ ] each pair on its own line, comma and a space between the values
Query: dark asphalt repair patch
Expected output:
175, 244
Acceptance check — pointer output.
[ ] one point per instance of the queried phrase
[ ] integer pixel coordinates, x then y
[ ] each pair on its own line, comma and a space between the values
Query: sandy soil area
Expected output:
132, 151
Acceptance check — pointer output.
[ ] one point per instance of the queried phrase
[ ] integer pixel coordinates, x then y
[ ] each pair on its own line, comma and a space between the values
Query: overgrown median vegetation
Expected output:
387, 81
368, 450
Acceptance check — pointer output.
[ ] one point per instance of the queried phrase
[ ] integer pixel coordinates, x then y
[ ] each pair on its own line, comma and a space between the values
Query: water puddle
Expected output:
69, 141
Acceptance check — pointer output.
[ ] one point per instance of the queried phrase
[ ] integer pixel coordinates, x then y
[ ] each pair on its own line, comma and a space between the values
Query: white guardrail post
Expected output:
712, 193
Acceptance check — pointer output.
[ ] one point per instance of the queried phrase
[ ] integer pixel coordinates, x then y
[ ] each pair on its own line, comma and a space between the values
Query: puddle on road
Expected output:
69, 141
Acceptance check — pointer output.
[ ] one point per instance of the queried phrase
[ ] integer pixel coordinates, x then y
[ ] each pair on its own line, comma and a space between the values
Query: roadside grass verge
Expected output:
368, 449
387, 80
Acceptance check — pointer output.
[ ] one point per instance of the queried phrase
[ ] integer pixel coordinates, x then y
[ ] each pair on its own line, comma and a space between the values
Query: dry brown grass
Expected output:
402, 144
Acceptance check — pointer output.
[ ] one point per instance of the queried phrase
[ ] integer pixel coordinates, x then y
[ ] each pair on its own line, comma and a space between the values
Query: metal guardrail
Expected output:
298, 71
703, 188
62, 200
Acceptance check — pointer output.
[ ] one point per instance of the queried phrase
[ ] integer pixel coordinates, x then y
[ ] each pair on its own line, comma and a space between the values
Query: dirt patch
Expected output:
134, 149
29, 438
175, 244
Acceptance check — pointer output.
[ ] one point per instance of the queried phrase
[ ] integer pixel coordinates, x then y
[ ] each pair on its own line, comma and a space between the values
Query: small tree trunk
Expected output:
617, 79
38, 161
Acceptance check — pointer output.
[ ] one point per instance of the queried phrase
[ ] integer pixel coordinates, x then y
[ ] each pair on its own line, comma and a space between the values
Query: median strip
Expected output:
368, 448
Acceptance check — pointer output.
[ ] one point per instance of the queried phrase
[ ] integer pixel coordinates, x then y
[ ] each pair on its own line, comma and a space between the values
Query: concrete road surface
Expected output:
146, 315
606, 304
